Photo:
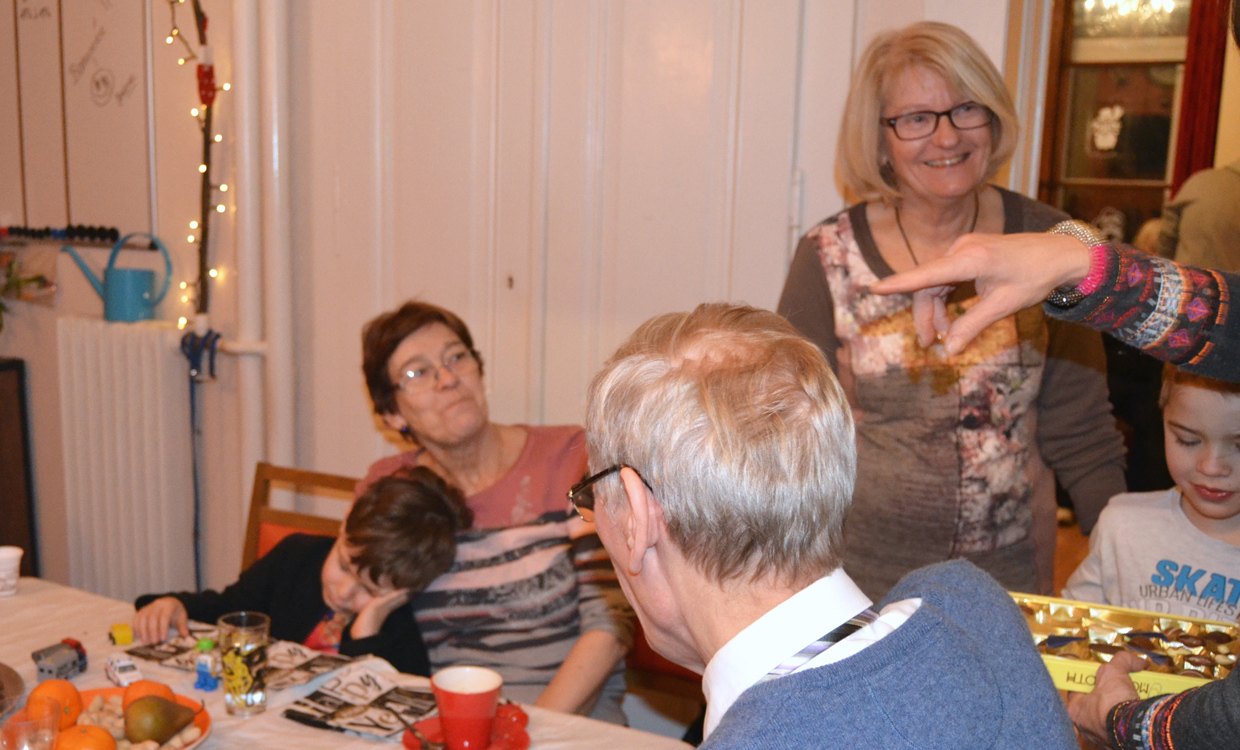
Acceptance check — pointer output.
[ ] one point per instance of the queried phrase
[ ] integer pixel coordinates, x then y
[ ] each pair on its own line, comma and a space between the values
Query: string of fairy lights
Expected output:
211, 194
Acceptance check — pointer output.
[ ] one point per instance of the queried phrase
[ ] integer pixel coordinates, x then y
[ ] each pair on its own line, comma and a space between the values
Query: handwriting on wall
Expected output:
76, 74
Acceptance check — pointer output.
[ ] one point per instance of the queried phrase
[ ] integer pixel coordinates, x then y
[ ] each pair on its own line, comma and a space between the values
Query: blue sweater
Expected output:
962, 672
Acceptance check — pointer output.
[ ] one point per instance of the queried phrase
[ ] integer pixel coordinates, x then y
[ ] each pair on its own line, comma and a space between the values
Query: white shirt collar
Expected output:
792, 625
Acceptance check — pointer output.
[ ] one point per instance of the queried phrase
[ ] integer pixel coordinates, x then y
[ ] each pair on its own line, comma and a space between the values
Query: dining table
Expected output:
42, 613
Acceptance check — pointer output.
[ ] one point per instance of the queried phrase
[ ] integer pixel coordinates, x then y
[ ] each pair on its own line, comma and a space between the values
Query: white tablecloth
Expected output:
43, 613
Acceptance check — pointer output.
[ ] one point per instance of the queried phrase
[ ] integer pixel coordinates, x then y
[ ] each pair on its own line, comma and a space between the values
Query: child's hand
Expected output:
151, 623
1112, 686
375, 613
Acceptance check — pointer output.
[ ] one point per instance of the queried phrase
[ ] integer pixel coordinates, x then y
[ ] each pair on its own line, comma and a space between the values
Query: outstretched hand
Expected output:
1112, 686
151, 623
1010, 271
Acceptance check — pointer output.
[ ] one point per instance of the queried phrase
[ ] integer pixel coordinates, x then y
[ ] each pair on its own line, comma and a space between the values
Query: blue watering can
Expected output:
128, 293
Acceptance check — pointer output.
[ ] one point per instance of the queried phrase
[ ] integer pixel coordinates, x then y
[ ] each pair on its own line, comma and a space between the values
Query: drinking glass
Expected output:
34, 727
243, 640
10, 569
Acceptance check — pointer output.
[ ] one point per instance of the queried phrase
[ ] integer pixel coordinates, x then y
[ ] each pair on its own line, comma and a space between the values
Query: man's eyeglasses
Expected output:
420, 376
581, 496
915, 125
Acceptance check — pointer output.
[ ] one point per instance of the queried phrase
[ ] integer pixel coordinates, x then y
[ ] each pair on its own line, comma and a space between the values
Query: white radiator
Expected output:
129, 493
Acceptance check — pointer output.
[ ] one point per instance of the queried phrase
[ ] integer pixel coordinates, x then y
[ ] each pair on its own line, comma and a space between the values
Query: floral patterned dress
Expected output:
950, 448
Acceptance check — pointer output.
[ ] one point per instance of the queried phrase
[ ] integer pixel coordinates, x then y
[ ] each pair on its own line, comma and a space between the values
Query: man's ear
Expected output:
644, 526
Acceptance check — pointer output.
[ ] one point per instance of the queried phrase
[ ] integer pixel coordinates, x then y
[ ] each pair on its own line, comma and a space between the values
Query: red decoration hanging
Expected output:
206, 84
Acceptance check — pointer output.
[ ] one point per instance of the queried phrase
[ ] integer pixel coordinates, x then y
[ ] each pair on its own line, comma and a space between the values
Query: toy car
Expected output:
121, 669
61, 660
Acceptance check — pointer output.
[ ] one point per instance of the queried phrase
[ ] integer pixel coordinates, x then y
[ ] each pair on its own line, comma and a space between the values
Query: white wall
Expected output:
30, 330
556, 173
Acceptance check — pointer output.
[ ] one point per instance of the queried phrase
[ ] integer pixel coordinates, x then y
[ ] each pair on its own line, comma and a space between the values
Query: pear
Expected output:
153, 717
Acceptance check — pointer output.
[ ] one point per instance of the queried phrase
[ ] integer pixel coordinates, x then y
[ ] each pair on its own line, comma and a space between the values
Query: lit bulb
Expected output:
193, 225
1168, 5
223, 188
168, 40
185, 298
1089, 4
180, 61
181, 323
218, 138
213, 273
202, 168
190, 238
184, 285
220, 208
227, 86
176, 31
194, 111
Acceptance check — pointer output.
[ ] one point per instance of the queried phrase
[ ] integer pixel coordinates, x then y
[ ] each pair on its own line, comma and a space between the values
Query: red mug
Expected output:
467, 699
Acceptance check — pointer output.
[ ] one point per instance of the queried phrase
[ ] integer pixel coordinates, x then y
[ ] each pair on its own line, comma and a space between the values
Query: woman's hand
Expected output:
1112, 686
1011, 272
370, 620
151, 623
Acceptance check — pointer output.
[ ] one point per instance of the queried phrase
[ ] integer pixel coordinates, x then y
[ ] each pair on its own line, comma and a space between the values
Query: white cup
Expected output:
10, 569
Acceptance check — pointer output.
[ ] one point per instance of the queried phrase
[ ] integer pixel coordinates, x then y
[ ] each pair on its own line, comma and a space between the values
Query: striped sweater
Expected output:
529, 578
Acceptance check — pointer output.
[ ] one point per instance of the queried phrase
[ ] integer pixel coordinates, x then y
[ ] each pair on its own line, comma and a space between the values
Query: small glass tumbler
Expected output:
243, 638
34, 727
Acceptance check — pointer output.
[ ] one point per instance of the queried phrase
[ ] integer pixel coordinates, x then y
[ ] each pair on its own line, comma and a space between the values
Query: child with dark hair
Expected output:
341, 594
1178, 550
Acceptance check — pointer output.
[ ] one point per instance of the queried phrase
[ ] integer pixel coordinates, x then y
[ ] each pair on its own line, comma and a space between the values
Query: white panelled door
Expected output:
555, 171
568, 169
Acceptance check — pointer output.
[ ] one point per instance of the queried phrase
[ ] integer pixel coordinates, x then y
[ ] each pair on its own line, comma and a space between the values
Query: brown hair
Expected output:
382, 335
404, 528
860, 152
1173, 376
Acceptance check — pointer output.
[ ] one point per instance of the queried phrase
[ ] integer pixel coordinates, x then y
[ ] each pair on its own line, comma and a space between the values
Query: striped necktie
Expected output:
800, 658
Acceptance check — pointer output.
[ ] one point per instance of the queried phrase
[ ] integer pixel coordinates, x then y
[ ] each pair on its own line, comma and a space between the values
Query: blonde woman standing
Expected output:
953, 451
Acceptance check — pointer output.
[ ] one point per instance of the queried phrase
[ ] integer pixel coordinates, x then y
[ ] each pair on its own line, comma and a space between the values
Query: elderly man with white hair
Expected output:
725, 458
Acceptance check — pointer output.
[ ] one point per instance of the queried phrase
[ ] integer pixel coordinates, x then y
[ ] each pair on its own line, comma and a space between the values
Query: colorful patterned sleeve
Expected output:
1173, 312
1204, 717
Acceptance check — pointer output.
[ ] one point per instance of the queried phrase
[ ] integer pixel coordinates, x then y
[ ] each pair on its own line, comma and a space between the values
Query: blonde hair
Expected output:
743, 433
860, 154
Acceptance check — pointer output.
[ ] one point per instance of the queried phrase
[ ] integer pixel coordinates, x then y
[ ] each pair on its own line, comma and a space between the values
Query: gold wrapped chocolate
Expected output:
1103, 652
1061, 615
1065, 646
1122, 622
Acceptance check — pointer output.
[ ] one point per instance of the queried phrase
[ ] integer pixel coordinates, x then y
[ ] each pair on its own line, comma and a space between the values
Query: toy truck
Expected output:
60, 660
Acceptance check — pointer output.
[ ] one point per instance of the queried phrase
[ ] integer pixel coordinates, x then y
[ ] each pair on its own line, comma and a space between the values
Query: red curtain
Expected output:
1203, 85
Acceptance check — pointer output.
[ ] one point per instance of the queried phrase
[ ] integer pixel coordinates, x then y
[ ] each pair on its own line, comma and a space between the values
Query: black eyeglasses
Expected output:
581, 495
915, 125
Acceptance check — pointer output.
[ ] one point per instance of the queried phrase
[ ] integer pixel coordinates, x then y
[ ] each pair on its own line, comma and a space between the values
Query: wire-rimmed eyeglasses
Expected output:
420, 375
915, 125
581, 495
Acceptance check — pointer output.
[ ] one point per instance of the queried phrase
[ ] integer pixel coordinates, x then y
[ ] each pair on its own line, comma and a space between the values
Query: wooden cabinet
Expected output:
16, 478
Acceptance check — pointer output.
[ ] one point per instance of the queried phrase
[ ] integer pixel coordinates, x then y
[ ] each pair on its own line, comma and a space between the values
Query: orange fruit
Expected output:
143, 688
64, 693
85, 738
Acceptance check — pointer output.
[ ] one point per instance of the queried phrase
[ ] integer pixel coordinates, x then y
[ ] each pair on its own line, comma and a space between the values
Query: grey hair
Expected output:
742, 431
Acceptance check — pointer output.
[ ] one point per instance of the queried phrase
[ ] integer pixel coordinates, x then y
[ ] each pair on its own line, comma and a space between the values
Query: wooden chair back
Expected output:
267, 525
